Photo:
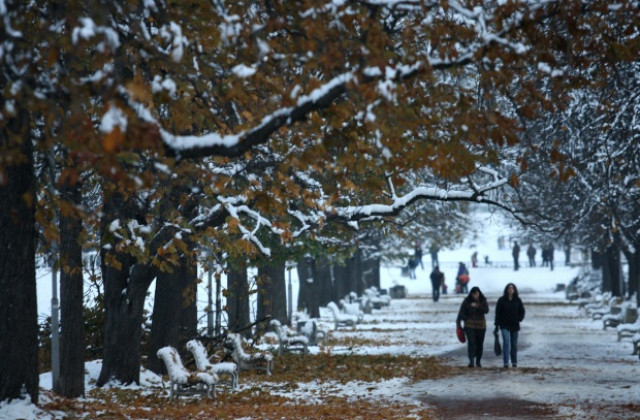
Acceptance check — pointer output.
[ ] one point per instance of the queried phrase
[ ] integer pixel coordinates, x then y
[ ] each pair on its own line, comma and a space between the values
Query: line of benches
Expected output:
616, 313
207, 374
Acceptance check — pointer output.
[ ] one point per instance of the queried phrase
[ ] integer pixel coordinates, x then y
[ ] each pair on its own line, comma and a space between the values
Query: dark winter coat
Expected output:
509, 313
473, 317
437, 278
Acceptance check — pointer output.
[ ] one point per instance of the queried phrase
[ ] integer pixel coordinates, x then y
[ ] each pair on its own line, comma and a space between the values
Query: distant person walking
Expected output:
516, 255
472, 312
437, 280
418, 254
509, 315
531, 253
474, 259
433, 250
462, 279
550, 251
412, 264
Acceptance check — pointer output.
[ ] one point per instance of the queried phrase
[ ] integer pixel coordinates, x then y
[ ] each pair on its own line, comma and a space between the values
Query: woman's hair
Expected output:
476, 289
515, 290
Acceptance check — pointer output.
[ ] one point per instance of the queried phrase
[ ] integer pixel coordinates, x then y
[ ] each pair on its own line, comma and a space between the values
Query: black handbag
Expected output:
497, 348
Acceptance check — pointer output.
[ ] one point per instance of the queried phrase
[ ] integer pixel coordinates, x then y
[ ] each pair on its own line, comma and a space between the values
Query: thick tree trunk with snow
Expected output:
238, 300
125, 287
272, 293
18, 304
307, 297
355, 273
172, 324
611, 271
71, 381
371, 272
324, 290
124, 304
341, 283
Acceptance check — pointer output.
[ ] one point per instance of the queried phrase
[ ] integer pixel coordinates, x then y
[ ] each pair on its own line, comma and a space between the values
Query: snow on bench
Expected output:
612, 307
628, 315
351, 309
289, 342
308, 327
183, 381
203, 363
340, 319
377, 299
257, 361
628, 330
635, 339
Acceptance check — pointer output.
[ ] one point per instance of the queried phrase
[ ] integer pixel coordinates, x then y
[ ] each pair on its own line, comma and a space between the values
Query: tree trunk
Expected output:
611, 278
634, 274
18, 304
325, 292
238, 300
354, 281
272, 293
307, 300
71, 380
341, 283
125, 288
371, 272
168, 305
189, 312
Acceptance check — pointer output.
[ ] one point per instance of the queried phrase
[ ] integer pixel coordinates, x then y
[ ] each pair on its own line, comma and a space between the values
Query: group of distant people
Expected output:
439, 286
547, 255
416, 259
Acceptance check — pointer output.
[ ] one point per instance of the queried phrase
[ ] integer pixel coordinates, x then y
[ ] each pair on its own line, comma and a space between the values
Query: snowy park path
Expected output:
568, 368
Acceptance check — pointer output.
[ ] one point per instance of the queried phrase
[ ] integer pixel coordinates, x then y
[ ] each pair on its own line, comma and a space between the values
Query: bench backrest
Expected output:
175, 369
199, 355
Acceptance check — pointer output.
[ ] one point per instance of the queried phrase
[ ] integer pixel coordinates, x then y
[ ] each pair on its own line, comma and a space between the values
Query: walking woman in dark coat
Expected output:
509, 315
472, 312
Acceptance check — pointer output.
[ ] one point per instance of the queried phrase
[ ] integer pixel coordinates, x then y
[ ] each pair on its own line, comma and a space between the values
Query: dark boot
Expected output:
478, 364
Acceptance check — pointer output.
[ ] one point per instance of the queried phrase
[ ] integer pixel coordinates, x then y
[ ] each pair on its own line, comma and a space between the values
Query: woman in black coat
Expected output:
509, 315
472, 312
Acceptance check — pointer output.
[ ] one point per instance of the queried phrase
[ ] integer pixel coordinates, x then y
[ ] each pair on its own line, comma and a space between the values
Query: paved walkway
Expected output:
568, 368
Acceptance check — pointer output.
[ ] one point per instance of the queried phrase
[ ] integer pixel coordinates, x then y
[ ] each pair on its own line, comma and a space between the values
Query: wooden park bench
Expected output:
223, 369
627, 315
341, 319
309, 328
628, 330
289, 343
183, 381
256, 361
612, 308
635, 339
351, 309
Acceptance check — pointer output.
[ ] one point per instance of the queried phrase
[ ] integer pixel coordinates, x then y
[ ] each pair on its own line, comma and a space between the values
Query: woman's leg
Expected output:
514, 348
479, 345
471, 344
506, 340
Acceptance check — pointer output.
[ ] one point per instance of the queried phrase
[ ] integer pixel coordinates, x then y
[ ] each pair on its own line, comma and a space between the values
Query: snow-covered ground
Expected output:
565, 358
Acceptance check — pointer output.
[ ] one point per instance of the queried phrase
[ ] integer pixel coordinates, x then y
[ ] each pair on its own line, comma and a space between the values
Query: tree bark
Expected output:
125, 288
18, 304
307, 293
611, 271
272, 293
71, 380
238, 300
325, 292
